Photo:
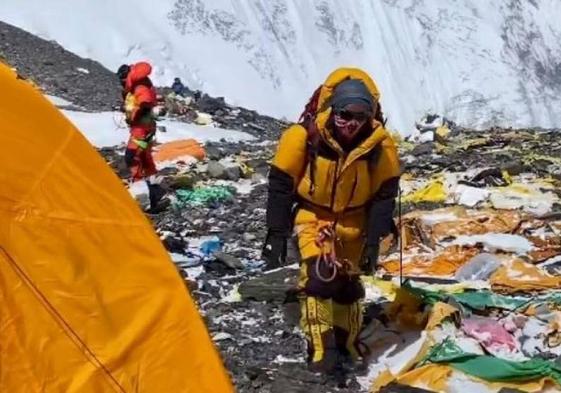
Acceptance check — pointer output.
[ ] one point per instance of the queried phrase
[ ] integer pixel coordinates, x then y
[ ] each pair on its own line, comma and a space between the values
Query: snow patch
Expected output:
497, 242
283, 359
57, 101
109, 129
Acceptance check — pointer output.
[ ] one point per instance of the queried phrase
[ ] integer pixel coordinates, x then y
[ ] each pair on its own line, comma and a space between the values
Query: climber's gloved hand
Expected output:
274, 251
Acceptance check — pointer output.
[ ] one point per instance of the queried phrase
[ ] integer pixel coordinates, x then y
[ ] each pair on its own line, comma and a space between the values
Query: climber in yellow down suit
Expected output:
333, 183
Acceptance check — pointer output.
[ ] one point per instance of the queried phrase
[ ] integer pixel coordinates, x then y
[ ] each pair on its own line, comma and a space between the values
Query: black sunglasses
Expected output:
350, 115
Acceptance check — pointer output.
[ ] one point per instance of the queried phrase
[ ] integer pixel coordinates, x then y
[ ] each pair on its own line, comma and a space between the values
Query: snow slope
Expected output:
109, 129
475, 61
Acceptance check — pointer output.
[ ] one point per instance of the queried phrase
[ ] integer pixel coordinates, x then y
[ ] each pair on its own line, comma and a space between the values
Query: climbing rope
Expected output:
327, 257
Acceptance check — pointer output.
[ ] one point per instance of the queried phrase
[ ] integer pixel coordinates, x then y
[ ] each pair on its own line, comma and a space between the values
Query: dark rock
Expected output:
514, 168
260, 166
422, 149
229, 260
218, 268
271, 287
291, 313
175, 244
210, 105
169, 171
216, 170
213, 152
233, 173
183, 181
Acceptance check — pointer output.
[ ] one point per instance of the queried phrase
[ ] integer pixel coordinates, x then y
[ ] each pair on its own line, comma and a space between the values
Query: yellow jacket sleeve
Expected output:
291, 152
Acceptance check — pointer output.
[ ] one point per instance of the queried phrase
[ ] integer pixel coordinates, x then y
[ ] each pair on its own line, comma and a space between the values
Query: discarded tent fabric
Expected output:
437, 377
90, 300
490, 368
475, 300
546, 248
444, 264
520, 276
204, 196
432, 227
181, 149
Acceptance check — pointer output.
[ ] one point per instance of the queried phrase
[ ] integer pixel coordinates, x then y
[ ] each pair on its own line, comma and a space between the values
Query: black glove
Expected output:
274, 251
371, 259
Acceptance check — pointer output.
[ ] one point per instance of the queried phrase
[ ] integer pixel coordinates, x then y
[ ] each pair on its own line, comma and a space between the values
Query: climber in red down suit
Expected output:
140, 100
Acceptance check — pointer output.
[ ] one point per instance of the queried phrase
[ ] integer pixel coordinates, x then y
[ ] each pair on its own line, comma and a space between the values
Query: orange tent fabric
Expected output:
89, 299
444, 264
173, 150
520, 276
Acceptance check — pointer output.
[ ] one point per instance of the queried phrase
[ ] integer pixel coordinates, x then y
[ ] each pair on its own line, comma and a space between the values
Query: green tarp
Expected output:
490, 368
482, 299
204, 196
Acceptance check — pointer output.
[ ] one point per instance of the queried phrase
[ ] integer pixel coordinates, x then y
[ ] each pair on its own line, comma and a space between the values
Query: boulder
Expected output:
271, 287
229, 260
216, 170
233, 173
183, 181
213, 152
422, 149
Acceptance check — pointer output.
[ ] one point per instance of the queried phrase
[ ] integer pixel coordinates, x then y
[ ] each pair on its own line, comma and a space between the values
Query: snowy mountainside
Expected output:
479, 63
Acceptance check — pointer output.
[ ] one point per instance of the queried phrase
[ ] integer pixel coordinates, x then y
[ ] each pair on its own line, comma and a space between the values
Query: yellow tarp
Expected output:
433, 191
89, 299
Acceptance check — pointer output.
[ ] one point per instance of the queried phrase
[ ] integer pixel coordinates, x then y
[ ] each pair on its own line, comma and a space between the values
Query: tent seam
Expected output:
86, 220
64, 325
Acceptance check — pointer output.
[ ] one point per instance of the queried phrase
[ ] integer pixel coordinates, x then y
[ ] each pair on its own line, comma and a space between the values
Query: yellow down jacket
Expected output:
343, 183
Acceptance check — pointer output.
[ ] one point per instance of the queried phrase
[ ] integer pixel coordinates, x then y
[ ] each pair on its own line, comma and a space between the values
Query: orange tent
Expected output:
89, 299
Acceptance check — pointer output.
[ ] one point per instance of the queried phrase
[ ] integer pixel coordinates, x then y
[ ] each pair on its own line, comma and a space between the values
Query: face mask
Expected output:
348, 123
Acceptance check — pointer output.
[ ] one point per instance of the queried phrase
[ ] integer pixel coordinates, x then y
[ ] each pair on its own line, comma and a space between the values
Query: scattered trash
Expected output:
470, 196
491, 334
222, 336
434, 191
480, 267
210, 247
203, 119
